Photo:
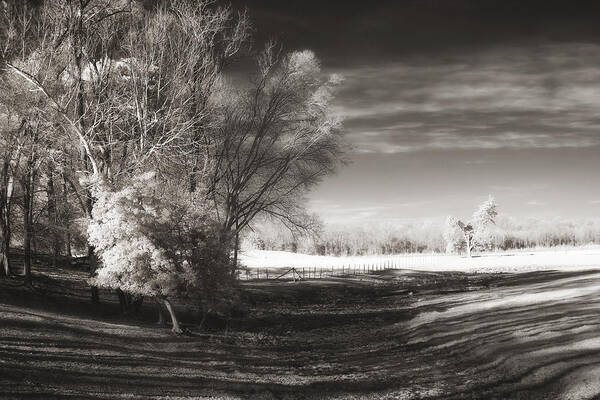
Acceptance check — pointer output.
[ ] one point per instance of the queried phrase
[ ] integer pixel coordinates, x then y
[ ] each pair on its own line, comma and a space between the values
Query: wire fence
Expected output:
368, 266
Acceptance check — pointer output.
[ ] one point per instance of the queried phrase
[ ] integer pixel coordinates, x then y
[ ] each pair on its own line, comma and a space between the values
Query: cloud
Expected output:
527, 97
536, 203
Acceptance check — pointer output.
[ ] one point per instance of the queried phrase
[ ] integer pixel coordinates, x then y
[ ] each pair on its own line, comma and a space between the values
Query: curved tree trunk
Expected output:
176, 328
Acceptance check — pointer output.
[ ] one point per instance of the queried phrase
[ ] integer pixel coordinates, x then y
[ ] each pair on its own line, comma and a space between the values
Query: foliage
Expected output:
151, 245
483, 221
476, 234
109, 90
453, 235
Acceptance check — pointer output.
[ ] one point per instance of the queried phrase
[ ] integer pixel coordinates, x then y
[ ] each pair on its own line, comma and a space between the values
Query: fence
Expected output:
408, 261
289, 266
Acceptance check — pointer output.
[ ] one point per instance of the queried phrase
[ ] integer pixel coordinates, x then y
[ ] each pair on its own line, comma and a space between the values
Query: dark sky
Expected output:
447, 101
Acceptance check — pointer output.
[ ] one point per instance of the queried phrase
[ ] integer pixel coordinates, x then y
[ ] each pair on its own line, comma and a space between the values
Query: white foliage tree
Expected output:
125, 231
453, 235
474, 234
483, 220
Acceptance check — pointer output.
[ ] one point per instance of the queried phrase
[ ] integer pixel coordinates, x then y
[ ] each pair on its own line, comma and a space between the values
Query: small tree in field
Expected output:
475, 234
152, 245
453, 235
483, 219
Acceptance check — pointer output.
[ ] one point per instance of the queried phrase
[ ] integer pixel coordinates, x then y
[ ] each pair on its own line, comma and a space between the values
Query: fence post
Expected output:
267, 273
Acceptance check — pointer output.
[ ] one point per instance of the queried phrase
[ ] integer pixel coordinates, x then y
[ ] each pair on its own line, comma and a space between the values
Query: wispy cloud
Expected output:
542, 97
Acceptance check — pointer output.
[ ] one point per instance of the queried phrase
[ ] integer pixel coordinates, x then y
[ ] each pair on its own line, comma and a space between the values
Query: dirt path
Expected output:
522, 336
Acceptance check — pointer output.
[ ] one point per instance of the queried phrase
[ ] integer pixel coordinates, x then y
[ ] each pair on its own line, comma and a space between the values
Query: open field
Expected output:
388, 335
567, 259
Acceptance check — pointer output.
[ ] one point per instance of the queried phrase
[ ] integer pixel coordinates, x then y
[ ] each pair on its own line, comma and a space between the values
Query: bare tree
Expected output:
278, 140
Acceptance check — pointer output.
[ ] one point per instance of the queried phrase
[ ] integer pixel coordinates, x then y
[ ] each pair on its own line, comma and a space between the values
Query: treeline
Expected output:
508, 233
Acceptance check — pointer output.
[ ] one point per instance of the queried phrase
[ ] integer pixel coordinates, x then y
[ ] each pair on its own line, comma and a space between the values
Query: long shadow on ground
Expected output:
390, 335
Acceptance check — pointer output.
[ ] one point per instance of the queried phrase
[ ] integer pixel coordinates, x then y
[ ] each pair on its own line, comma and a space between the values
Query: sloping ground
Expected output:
400, 335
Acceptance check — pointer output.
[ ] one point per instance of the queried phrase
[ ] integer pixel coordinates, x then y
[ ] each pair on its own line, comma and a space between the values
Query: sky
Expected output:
447, 101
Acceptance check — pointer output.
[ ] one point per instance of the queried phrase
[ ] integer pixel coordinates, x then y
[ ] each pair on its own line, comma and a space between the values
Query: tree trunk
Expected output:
77, 48
27, 223
123, 307
176, 328
468, 246
67, 225
52, 217
4, 248
162, 318
91, 256
235, 251
6, 191
68, 245
26, 251
129, 303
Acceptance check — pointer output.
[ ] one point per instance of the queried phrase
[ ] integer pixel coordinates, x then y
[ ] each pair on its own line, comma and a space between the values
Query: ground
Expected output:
388, 335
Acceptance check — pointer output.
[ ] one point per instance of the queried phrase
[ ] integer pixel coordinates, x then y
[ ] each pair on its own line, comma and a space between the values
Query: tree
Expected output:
278, 140
132, 90
483, 219
153, 244
10, 154
127, 91
28, 179
453, 235
474, 234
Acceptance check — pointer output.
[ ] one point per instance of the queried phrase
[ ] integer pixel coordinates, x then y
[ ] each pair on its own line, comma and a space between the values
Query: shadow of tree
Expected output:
521, 339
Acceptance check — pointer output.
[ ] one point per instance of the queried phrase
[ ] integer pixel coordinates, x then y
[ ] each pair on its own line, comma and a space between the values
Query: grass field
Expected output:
388, 335
560, 258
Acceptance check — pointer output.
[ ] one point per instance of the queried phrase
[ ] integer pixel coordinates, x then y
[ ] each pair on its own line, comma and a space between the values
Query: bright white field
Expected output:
516, 261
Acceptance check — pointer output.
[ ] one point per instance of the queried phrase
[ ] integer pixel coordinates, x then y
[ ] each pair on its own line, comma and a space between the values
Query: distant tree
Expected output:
474, 234
453, 235
483, 220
